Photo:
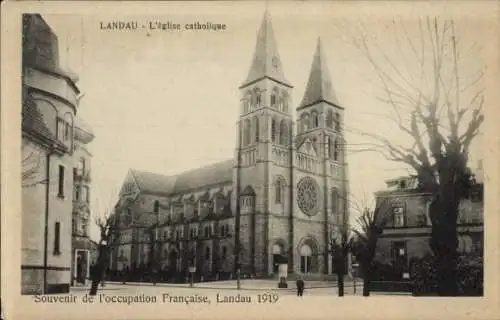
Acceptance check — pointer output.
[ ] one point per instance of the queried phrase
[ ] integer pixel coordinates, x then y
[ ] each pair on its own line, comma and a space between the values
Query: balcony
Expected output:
79, 176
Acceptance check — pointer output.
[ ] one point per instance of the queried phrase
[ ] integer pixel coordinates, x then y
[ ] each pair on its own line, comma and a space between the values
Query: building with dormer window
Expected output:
407, 232
288, 187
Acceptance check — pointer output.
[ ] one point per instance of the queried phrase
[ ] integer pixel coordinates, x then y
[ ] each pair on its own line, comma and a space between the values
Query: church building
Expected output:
286, 185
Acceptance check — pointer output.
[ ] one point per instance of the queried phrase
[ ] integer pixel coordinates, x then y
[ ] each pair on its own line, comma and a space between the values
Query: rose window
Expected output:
308, 196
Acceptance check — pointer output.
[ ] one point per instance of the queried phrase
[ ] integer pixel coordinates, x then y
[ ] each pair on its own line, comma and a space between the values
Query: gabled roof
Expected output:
266, 60
208, 175
319, 86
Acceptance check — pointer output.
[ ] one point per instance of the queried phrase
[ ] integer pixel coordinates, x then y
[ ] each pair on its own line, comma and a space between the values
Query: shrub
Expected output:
469, 269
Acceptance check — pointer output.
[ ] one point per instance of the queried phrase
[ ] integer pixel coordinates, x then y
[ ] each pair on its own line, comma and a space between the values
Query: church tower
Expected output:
319, 142
264, 132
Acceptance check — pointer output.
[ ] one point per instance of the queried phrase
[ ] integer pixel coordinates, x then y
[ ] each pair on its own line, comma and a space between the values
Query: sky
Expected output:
168, 101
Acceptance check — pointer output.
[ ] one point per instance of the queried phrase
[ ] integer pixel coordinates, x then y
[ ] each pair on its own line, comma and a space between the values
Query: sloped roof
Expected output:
153, 182
32, 119
266, 60
319, 86
208, 175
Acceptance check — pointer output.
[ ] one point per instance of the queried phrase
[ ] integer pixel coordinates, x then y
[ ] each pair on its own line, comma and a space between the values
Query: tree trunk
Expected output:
340, 284
366, 281
98, 271
444, 242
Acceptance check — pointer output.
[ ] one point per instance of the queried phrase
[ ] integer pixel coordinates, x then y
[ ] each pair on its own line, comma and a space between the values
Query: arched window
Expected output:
337, 121
314, 120
156, 208
258, 97
283, 132
330, 147
284, 102
335, 201
256, 128
336, 150
279, 190
273, 130
274, 98
305, 121
247, 132
329, 119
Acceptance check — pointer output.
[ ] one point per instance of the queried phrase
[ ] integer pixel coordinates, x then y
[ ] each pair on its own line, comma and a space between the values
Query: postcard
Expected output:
294, 160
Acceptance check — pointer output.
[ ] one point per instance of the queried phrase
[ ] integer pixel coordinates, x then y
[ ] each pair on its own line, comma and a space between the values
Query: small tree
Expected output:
107, 239
371, 223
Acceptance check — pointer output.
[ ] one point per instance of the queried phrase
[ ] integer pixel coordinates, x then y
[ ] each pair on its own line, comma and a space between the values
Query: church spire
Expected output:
319, 86
266, 61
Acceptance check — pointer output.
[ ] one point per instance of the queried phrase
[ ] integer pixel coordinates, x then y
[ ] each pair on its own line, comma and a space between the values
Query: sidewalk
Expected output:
232, 284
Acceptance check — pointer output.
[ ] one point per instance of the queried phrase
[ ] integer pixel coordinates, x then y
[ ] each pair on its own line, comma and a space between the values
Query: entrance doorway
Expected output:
82, 266
305, 259
172, 262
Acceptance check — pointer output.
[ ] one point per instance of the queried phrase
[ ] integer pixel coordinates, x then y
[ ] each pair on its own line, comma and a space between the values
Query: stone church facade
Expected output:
287, 182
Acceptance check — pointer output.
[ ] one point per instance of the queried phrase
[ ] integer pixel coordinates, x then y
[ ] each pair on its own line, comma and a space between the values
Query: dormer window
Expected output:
402, 184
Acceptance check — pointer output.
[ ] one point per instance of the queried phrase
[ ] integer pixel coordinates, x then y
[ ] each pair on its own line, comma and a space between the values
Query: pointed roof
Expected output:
319, 86
266, 61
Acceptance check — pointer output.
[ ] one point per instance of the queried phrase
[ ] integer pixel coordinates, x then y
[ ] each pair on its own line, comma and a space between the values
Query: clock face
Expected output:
308, 196
275, 62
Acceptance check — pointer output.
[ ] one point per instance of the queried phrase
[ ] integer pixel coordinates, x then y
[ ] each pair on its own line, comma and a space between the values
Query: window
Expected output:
337, 121
336, 150
165, 235
57, 238
61, 182
156, 207
256, 128
279, 190
335, 201
74, 226
84, 193
258, 97
246, 134
283, 133
273, 130
224, 252
329, 119
207, 253
81, 166
274, 97
77, 193
399, 219
315, 120
87, 195
284, 102
207, 231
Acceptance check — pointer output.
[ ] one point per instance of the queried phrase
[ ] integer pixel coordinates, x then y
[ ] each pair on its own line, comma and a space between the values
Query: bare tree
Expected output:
30, 168
435, 102
339, 249
108, 238
363, 246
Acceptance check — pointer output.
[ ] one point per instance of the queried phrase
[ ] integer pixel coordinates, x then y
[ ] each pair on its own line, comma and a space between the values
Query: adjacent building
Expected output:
285, 185
51, 139
406, 235
81, 243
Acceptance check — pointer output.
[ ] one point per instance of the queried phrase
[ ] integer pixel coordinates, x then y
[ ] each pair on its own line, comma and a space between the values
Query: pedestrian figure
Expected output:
300, 286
